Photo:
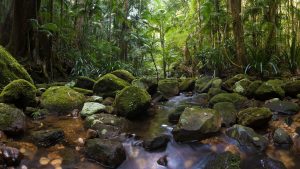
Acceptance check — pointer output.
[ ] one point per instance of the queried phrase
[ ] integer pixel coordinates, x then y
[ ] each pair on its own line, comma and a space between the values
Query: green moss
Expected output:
228, 84
83, 91
228, 97
214, 91
10, 69
132, 102
168, 87
19, 92
203, 84
250, 90
62, 99
254, 117
48, 85
12, 120
187, 84
108, 85
241, 86
270, 89
124, 74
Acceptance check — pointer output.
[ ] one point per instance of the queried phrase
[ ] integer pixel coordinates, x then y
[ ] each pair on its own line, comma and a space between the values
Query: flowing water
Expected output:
70, 154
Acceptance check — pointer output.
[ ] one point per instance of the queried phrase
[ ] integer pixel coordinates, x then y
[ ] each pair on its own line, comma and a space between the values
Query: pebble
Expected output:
44, 161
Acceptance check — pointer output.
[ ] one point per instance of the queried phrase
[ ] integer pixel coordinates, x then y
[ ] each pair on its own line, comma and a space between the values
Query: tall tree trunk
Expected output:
238, 31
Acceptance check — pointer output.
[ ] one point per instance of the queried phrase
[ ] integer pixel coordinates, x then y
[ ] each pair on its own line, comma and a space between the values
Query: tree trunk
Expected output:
238, 31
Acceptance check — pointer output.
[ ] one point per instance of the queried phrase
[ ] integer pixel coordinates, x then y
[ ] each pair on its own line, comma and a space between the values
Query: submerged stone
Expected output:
47, 138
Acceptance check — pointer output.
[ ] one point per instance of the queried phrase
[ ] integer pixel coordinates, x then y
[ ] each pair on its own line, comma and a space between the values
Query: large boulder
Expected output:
12, 120
147, 83
292, 88
84, 83
234, 98
269, 90
247, 137
108, 85
168, 88
196, 123
228, 112
254, 117
10, 69
224, 160
124, 74
132, 102
109, 153
228, 84
90, 108
283, 107
62, 99
47, 138
187, 84
19, 92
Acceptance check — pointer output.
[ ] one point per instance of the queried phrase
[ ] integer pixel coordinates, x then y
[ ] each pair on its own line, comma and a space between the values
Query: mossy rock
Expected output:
234, 98
214, 91
132, 102
62, 99
254, 117
124, 74
225, 160
292, 88
85, 83
187, 84
19, 92
83, 91
253, 86
148, 83
10, 69
12, 120
269, 90
228, 113
108, 85
241, 86
203, 84
168, 88
228, 84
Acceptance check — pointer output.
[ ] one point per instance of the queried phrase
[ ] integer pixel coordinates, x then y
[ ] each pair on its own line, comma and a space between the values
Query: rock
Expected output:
187, 84
234, 98
108, 101
250, 90
216, 83
283, 107
168, 88
12, 120
270, 89
246, 136
19, 92
259, 161
175, 116
83, 91
228, 84
149, 84
90, 134
47, 138
10, 69
228, 112
292, 88
97, 99
62, 99
203, 84
214, 91
124, 74
163, 161
132, 102
157, 143
110, 153
108, 85
91, 108
224, 160
10, 156
281, 137
254, 117
84, 83
196, 123
241, 86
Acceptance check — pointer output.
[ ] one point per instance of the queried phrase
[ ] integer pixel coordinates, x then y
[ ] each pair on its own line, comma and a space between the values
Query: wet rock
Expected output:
283, 107
254, 117
62, 99
47, 138
196, 123
203, 84
12, 120
224, 160
247, 137
163, 161
157, 143
214, 91
20, 93
84, 83
253, 86
270, 89
108, 85
228, 112
9, 156
187, 84
261, 162
148, 83
124, 74
11, 69
240, 87
132, 102
228, 84
97, 99
175, 116
168, 88
91, 108
292, 88
90, 134
281, 137
110, 153
234, 98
